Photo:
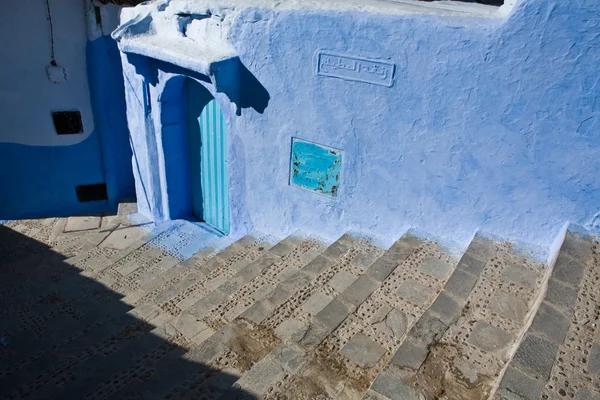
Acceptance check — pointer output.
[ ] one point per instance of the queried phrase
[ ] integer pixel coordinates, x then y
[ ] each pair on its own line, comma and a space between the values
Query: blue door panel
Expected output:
208, 158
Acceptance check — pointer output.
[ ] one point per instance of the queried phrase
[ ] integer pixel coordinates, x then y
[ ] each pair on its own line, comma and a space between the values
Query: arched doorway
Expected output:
207, 146
194, 144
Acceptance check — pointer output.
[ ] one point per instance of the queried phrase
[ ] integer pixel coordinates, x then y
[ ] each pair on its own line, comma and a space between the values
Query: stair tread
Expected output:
560, 352
297, 318
351, 331
460, 344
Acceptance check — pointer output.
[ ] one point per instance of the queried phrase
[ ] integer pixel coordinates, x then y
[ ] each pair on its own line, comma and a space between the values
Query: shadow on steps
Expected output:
65, 336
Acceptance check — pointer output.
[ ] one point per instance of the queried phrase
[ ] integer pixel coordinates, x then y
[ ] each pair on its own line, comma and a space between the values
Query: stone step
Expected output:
180, 287
559, 356
236, 346
29, 356
31, 279
460, 344
198, 325
341, 332
66, 375
144, 260
36, 353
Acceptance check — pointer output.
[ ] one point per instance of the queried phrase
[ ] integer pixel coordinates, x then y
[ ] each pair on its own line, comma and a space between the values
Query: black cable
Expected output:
52, 59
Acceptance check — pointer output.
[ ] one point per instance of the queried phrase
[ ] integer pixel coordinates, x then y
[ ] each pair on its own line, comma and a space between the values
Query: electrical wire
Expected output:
52, 58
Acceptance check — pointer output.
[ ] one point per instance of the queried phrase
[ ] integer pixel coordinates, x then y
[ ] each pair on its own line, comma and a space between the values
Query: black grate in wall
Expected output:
67, 122
95, 192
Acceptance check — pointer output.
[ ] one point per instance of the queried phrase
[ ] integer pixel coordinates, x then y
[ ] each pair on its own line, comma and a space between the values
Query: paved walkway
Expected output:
97, 308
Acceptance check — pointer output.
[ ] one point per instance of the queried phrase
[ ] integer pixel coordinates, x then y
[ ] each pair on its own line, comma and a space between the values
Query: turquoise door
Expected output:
207, 142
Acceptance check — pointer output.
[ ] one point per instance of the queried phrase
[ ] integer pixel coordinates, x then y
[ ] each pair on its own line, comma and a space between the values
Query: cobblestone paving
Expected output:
95, 308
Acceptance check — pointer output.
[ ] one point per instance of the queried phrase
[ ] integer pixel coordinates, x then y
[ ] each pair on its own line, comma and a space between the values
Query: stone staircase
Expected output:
96, 308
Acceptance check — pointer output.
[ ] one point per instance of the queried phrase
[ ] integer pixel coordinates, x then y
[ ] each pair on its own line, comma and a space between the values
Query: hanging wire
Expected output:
52, 59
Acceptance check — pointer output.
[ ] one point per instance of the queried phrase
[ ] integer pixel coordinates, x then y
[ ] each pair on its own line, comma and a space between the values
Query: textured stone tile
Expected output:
292, 358
145, 311
129, 267
338, 248
76, 224
317, 332
446, 308
281, 249
433, 266
382, 268
576, 247
315, 303
561, 295
550, 323
517, 382
263, 292
206, 352
364, 260
310, 255
568, 270
123, 237
258, 312
481, 247
489, 338
363, 351
126, 209
191, 299
535, 356
342, 280
173, 290
594, 361
317, 266
394, 389
410, 355
373, 395
188, 325
460, 284
261, 377
520, 275
380, 314
415, 292
586, 394
409, 240
291, 330
360, 290
207, 303
296, 282
397, 323
470, 264
400, 251
333, 314
133, 297
427, 329
508, 306
203, 336
287, 273
228, 252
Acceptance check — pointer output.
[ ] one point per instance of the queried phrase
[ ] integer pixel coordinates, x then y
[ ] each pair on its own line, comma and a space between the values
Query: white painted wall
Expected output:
27, 97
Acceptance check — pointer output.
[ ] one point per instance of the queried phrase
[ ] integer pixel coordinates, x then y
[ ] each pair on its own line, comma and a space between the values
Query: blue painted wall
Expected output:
40, 181
489, 125
107, 91
46, 187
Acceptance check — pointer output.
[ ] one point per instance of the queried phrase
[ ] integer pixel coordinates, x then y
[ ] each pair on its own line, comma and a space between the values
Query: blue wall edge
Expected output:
107, 90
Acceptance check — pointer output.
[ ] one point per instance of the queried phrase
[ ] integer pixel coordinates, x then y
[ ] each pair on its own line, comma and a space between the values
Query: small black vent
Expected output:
96, 192
67, 122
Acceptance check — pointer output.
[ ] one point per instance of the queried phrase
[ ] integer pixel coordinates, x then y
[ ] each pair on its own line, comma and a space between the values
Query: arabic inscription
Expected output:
355, 68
